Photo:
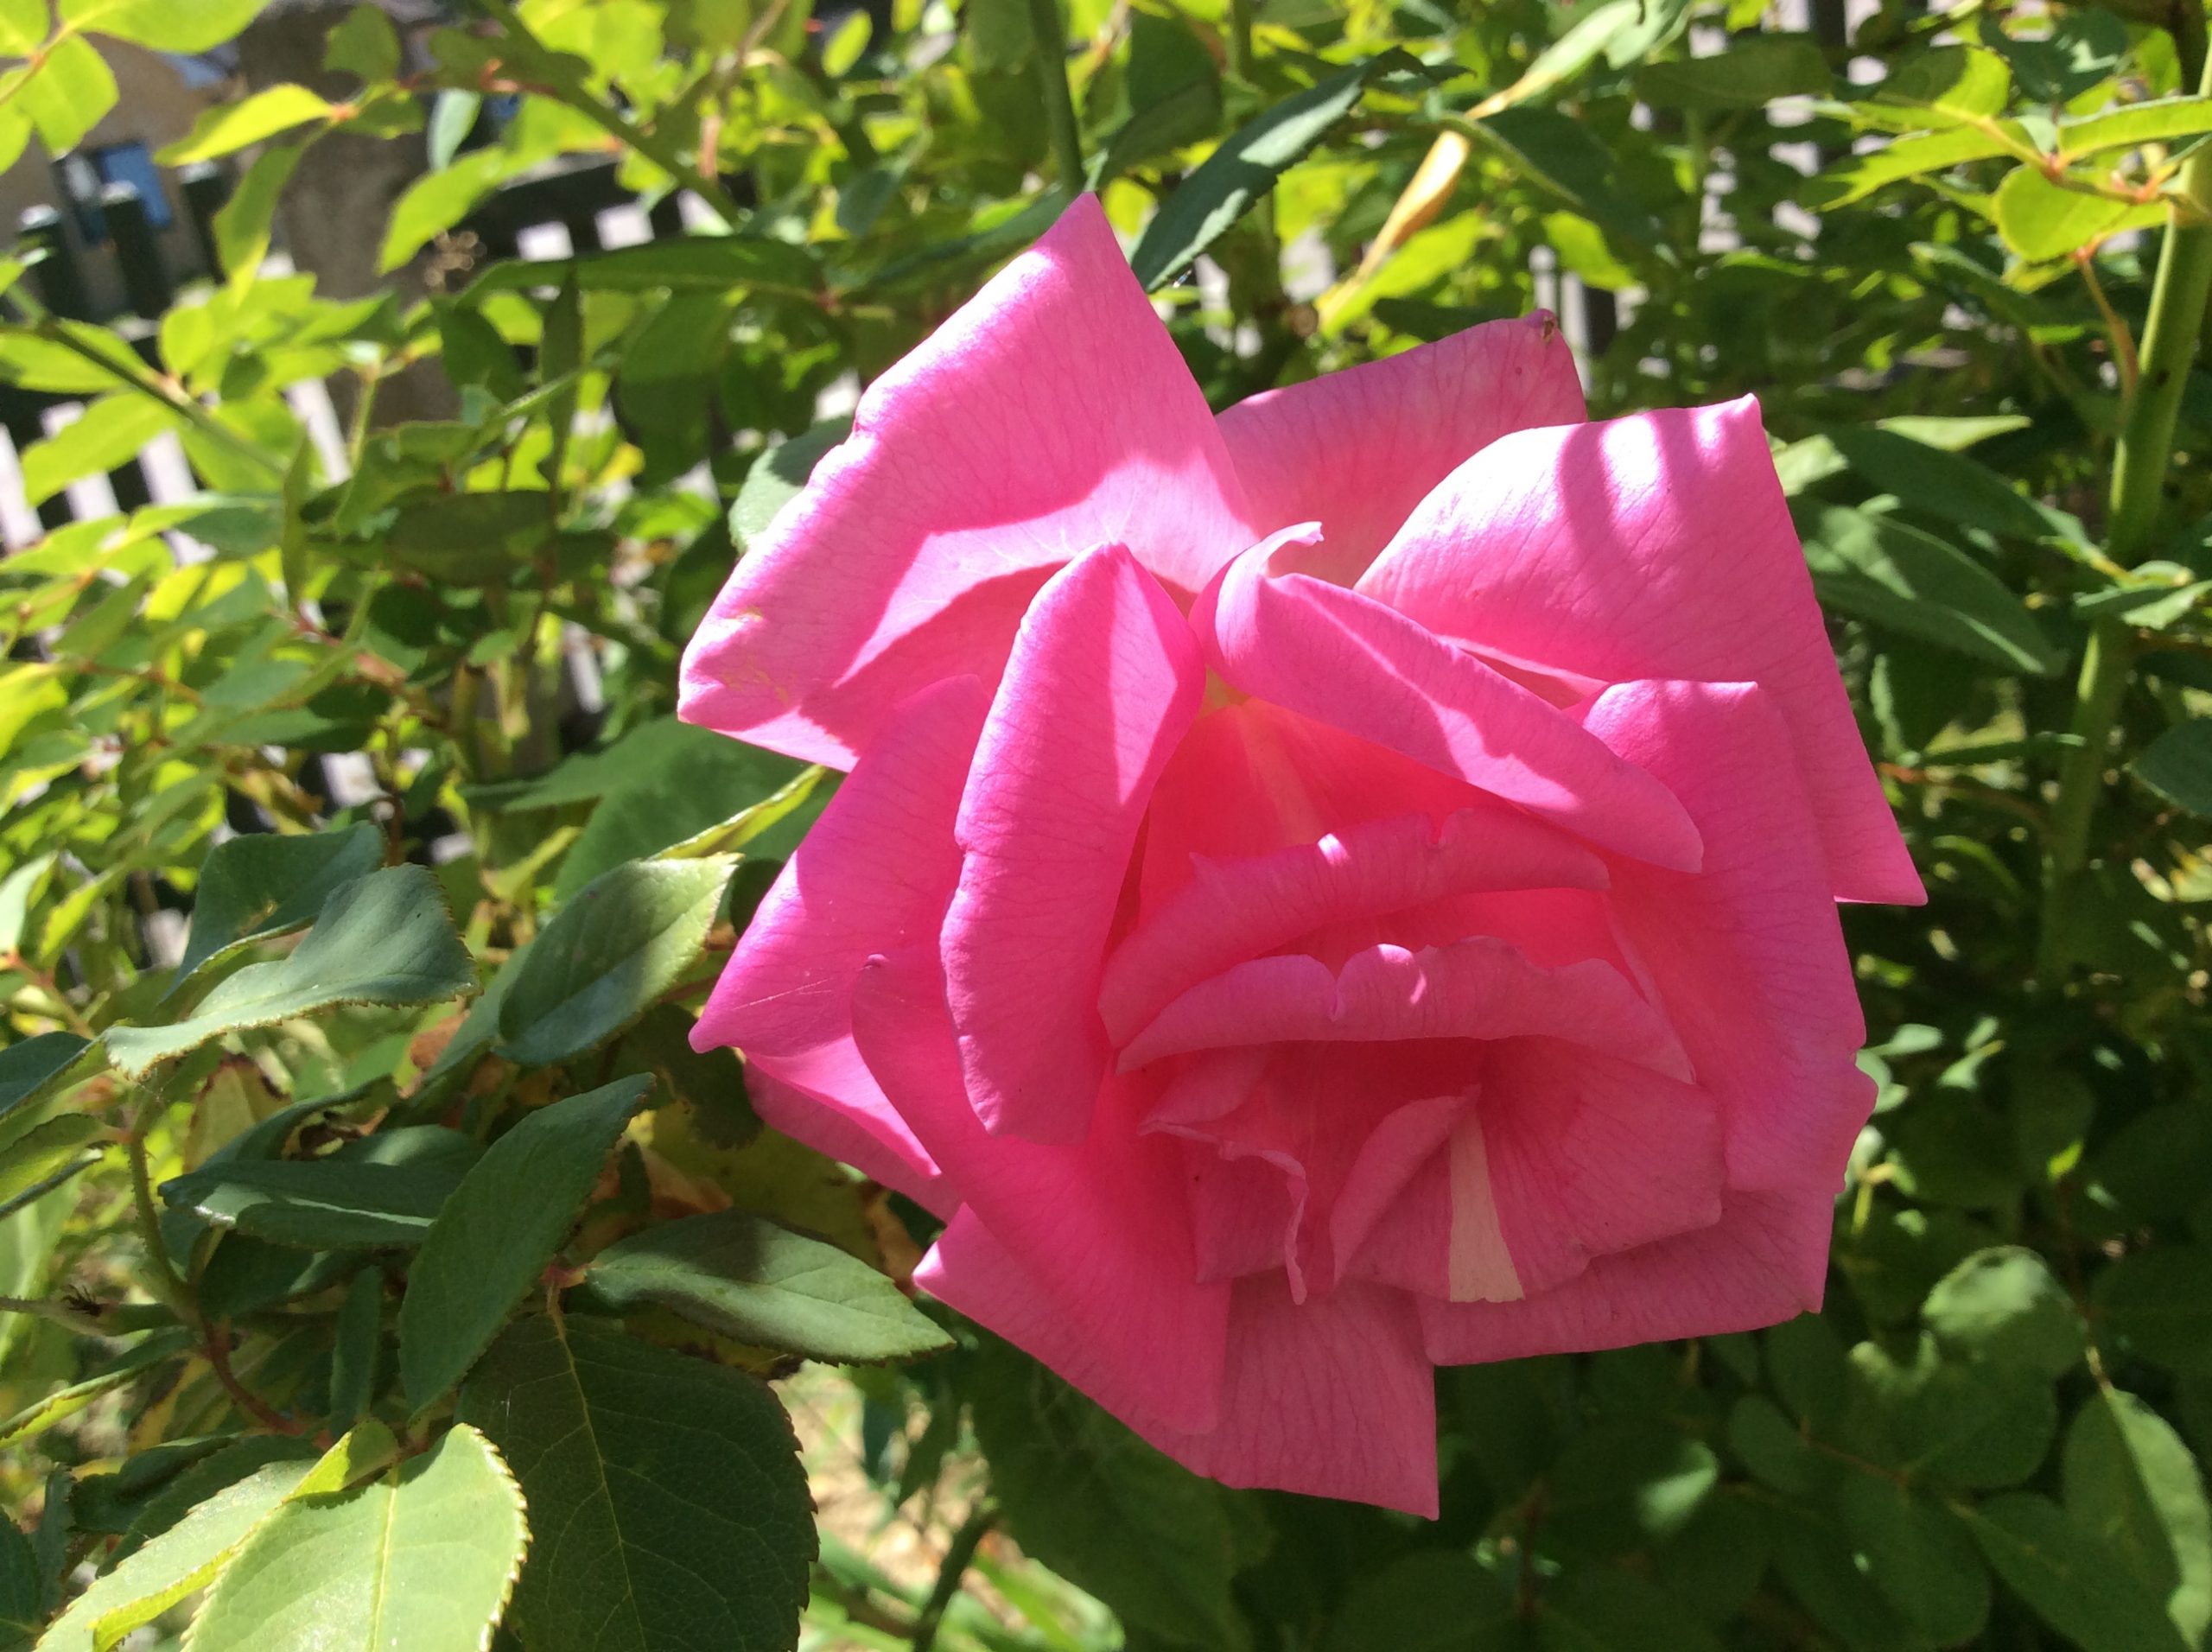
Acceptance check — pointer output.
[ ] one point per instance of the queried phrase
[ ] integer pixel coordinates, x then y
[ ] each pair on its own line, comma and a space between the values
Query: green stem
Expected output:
1053, 85
161, 1277
957, 1557
1240, 39
2178, 295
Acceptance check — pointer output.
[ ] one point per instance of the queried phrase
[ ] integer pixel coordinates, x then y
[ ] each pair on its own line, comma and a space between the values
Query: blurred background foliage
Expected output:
382, 1216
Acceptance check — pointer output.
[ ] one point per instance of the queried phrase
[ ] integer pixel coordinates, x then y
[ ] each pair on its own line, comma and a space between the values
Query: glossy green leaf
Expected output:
436, 202
203, 1479
2004, 1305
750, 1279
2177, 765
672, 1510
326, 1203
2071, 1576
383, 939
1906, 158
261, 884
501, 1227
1896, 576
424, 1557
179, 1562
226, 128
2131, 1481
618, 945
1223, 186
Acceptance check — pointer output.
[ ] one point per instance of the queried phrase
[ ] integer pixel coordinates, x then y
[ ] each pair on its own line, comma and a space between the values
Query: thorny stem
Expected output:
2178, 294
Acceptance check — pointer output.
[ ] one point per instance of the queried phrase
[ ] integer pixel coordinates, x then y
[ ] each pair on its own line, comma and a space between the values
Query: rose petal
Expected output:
1346, 660
1333, 1398
1654, 546
1747, 957
1358, 449
1477, 989
1052, 414
872, 876
1104, 681
828, 1099
1239, 909
1101, 1225
1763, 1261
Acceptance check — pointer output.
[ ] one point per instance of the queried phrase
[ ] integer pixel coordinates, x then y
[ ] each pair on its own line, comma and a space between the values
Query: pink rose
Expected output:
1325, 892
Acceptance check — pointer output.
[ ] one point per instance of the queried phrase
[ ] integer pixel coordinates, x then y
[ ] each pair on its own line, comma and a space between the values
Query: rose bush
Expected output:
1338, 888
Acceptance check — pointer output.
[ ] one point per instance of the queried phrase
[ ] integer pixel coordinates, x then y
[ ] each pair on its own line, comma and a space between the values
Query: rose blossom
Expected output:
1321, 893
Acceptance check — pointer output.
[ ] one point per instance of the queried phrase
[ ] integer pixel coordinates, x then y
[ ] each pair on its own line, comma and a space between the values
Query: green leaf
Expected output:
187, 26
1433, 1600
2040, 219
41, 1415
383, 939
1978, 1425
1090, 1500
1907, 157
330, 1204
2132, 1483
201, 1479
1894, 575
1627, 1482
2177, 765
423, 1557
2161, 1302
365, 46
671, 1508
436, 202
2004, 1304
1224, 184
2157, 121
108, 434
2071, 1576
1563, 155
225, 128
700, 263
1754, 71
750, 1279
242, 226
23, 1590
1919, 1557
179, 1562
356, 1343
68, 93
469, 538
1925, 477
45, 1148
17, 891
624, 939
1773, 1448
778, 475
1598, 1609
33, 1068
261, 884
498, 1230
